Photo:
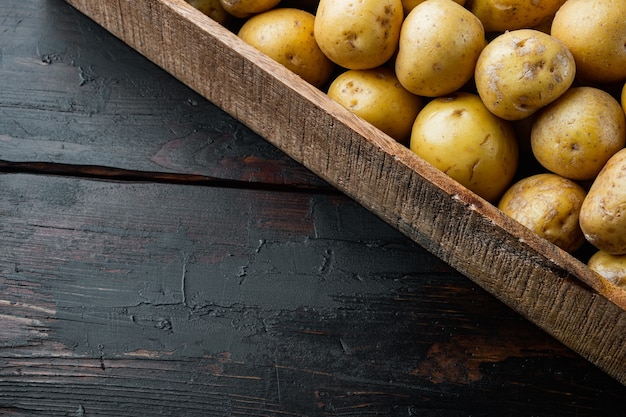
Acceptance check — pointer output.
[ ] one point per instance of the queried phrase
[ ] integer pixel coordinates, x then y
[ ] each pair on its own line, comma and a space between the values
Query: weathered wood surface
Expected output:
68, 84
537, 279
126, 299
222, 279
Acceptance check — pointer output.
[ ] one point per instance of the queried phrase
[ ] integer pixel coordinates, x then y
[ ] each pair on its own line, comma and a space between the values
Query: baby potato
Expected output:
409, 5
286, 35
459, 136
603, 213
521, 71
439, 45
610, 267
358, 34
213, 9
595, 33
576, 134
502, 15
247, 8
549, 205
377, 96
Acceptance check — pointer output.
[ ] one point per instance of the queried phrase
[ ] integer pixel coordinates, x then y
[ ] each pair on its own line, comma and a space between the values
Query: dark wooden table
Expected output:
159, 259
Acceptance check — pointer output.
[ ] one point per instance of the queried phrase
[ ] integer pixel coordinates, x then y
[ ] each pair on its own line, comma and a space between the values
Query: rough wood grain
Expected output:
405, 336
106, 106
550, 288
127, 299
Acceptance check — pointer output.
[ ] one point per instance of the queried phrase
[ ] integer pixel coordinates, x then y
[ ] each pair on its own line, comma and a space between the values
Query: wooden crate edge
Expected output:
544, 287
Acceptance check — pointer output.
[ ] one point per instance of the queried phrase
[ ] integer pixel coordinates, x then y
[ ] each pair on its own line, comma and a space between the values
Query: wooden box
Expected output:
544, 284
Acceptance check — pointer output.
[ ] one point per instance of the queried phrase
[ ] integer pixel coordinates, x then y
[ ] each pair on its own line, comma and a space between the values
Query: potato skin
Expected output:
610, 267
459, 136
549, 205
603, 213
501, 15
358, 34
522, 71
409, 5
247, 8
286, 35
213, 9
594, 31
439, 45
377, 96
576, 134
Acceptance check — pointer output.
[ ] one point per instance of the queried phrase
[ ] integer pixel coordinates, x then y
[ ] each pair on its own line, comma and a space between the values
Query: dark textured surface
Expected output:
175, 264
94, 101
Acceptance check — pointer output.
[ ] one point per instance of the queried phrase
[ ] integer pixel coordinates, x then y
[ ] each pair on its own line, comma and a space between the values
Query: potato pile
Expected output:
523, 102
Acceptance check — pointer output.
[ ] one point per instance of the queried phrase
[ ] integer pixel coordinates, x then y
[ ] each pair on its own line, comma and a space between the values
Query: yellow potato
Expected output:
359, 34
459, 136
521, 71
610, 267
501, 15
439, 45
595, 33
549, 205
377, 96
409, 5
247, 8
213, 9
575, 135
286, 35
623, 98
603, 213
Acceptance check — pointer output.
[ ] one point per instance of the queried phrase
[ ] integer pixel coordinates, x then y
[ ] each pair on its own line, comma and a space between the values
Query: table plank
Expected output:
156, 299
160, 259
74, 94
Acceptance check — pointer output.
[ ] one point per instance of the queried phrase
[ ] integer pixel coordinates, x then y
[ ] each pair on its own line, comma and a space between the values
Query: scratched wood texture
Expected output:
541, 282
160, 259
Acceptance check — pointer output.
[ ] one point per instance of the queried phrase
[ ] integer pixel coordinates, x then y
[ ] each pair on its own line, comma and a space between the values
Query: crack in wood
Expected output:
120, 174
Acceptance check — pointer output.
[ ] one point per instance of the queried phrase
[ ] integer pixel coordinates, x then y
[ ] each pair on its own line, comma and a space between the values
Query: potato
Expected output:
603, 213
377, 96
595, 33
409, 5
610, 267
576, 134
501, 15
213, 9
439, 45
247, 8
549, 205
359, 34
522, 71
459, 136
286, 35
